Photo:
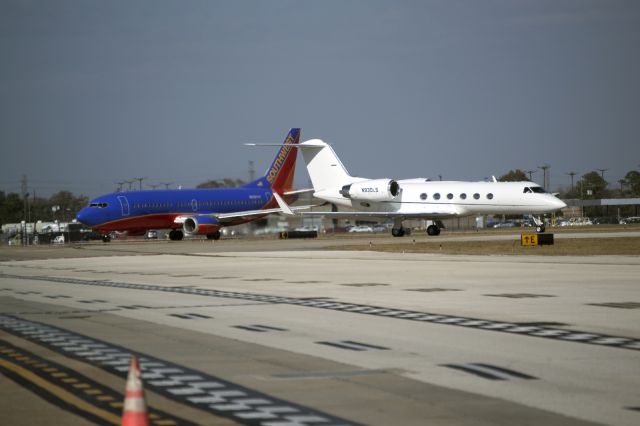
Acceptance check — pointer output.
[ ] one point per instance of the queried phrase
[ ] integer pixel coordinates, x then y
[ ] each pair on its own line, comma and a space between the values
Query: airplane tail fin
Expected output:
325, 168
279, 176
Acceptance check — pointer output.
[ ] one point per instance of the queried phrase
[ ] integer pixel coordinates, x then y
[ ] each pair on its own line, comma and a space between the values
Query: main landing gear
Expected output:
106, 238
398, 232
175, 235
433, 230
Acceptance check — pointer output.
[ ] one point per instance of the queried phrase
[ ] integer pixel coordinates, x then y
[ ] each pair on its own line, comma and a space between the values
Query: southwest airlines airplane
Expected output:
417, 198
197, 211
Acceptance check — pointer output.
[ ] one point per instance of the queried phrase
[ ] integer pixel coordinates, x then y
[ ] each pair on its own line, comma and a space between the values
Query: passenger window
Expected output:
490, 196
463, 196
436, 196
450, 196
423, 196
476, 196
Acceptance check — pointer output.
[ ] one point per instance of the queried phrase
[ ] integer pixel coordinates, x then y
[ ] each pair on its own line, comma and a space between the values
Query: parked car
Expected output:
504, 225
91, 236
606, 220
151, 235
380, 228
361, 228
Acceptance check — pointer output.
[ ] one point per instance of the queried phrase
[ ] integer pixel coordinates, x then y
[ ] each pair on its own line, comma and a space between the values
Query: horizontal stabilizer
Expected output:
308, 144
299, 191
283, 206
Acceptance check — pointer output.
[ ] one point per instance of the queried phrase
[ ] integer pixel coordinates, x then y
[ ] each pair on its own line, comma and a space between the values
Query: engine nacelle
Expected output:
200, 225
372, 190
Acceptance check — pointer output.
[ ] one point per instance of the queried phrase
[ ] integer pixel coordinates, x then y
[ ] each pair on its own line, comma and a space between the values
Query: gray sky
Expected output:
95, 92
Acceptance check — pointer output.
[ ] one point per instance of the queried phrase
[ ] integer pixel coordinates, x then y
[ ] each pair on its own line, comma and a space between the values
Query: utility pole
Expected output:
252, 172
23, 186
545, 176
129, 182
140, 179
25, 194
153, 186
166, 184
530, 173
120, 185
602, 172
572, 174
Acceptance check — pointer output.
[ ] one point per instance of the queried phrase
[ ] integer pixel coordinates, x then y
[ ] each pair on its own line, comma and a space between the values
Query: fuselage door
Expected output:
124, 204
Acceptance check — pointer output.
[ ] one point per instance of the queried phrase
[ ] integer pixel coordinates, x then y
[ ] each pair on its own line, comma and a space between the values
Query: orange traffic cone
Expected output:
134, 412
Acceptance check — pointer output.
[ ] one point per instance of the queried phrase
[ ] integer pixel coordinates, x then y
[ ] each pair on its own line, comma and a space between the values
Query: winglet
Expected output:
283, 206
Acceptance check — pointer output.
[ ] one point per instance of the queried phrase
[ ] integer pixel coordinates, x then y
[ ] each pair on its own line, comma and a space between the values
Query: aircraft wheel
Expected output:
540, 229
106, 238
397, 232
175, 235
433, 230
214, 236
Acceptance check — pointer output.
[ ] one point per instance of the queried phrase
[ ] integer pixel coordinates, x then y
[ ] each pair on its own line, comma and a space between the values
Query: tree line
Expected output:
61, 206
590, 185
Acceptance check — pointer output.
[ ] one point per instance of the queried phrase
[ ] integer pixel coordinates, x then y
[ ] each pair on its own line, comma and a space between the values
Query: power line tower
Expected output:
166, 184
530, 172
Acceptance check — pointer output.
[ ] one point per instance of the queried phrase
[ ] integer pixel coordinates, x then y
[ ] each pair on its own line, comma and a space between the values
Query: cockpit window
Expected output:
532, 189
98, 205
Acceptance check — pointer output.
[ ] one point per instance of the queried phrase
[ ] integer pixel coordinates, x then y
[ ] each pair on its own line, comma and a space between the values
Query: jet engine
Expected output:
372, 190
200, 225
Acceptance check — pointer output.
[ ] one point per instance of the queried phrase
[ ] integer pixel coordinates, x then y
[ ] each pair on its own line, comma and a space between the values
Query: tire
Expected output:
397, 232
433, 230
214, 236
176, 235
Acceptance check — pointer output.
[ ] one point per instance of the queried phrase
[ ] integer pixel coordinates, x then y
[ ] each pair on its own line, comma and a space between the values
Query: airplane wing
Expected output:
248, 214
425, 215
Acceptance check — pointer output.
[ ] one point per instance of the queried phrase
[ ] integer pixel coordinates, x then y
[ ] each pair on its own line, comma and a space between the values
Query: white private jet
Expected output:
418, 198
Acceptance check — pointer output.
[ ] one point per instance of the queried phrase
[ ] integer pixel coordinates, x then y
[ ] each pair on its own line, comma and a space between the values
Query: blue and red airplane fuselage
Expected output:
195, 211
138, 211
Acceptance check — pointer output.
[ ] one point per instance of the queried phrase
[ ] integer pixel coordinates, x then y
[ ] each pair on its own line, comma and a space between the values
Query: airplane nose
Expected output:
559, 204
82, 216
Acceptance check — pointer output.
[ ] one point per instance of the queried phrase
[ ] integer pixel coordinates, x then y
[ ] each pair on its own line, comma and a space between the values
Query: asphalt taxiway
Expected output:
249, 334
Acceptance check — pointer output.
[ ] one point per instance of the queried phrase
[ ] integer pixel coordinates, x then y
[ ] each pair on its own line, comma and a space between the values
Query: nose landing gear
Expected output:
539, 224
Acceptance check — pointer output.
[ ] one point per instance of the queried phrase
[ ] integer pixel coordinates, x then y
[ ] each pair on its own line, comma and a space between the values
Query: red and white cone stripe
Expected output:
134, 412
